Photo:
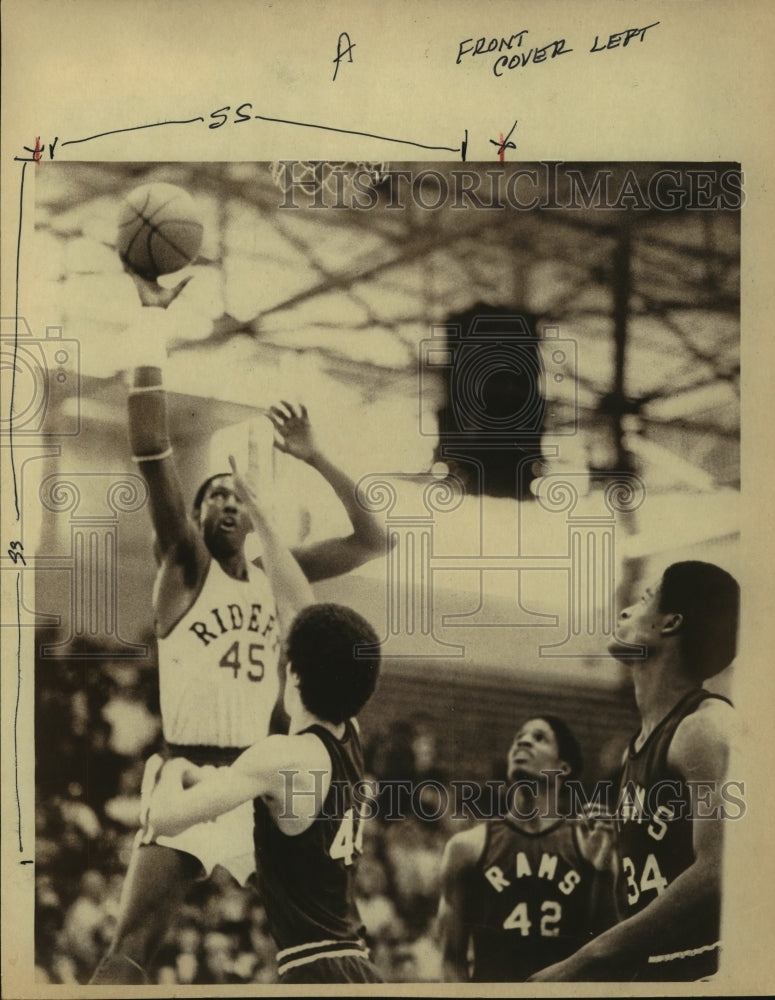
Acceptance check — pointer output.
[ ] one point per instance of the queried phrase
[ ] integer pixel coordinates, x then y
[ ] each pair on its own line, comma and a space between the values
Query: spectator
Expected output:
133, 726
376, 909
123, 808
84, 923
413, 850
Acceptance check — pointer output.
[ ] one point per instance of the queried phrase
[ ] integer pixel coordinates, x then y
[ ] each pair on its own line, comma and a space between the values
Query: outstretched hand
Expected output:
597, 838
151, 292
241, 488
257, 506
293, 430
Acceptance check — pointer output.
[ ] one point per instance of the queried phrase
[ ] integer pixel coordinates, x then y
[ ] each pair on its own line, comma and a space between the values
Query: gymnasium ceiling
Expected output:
332, 306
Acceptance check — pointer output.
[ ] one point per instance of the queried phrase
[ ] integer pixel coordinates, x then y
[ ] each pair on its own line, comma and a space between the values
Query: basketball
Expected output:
159, 230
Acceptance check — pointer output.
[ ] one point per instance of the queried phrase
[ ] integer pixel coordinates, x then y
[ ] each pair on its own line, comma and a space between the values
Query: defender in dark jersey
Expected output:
530, 888
213, 608
304, 785
672, 799
306, 881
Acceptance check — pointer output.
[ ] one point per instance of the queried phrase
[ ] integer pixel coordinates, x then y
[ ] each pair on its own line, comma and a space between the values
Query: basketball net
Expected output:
333, 177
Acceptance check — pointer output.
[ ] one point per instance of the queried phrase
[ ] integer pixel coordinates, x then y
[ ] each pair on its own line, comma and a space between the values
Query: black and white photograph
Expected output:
485, 420
379, 535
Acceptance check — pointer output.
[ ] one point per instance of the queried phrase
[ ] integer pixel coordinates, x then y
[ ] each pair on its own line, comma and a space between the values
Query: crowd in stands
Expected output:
96, 724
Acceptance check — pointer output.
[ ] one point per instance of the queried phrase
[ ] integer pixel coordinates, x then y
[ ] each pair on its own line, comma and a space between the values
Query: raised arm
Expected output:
334, 556
460, 855
149, 431
152, 450
699, 752
596, 839
290, 586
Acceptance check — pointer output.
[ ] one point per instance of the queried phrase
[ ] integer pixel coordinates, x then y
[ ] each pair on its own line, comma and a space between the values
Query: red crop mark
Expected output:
504, 143
38, 149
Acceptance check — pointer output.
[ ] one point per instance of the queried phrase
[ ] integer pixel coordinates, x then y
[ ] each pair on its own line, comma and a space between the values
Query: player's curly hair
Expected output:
568, 746
335, 653
708, 599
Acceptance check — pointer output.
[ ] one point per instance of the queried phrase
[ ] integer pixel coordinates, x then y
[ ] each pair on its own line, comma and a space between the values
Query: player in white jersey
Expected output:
219, 648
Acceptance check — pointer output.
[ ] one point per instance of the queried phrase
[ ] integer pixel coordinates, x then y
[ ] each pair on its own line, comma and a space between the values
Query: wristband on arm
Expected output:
148, 425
